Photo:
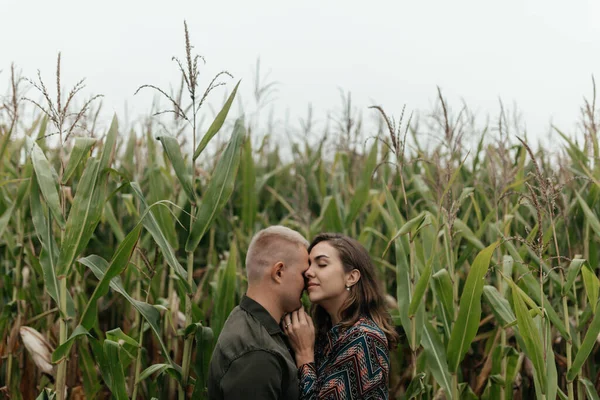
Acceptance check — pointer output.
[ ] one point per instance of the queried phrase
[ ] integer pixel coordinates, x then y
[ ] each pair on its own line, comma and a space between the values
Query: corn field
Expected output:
122, 252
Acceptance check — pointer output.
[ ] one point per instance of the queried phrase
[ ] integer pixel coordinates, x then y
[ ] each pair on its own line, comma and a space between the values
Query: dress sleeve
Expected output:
358, 368
307, 376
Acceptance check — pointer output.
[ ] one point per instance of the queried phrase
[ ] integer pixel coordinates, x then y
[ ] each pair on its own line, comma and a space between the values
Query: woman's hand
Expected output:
299, 328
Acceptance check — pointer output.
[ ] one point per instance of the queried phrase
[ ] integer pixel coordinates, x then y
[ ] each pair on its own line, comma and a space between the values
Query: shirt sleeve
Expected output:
359, 368
257, 372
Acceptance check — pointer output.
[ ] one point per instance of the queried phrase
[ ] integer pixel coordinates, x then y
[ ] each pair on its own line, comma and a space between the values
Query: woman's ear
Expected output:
352, 277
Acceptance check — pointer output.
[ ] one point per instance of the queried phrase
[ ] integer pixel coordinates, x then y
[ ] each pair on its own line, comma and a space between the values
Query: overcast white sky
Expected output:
539, 54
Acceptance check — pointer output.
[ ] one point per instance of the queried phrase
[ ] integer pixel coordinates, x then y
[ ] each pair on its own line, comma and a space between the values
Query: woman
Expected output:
354, 332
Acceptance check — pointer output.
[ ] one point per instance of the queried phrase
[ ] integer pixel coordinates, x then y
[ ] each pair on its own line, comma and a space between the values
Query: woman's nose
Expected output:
309, 272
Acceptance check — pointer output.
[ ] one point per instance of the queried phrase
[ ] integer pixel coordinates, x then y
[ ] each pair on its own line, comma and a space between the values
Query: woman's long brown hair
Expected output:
365, 298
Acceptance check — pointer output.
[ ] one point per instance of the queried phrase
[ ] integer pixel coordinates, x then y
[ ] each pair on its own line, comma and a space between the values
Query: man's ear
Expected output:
277, 271
352, 277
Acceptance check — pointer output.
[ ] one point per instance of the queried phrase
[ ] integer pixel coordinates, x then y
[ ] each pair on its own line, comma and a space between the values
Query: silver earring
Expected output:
348, 288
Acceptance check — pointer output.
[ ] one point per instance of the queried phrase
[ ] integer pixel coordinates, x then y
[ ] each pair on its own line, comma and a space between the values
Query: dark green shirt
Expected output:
251, 359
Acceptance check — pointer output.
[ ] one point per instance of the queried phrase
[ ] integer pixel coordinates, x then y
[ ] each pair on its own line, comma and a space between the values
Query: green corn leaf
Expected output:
43, 228
420, 289
92, 383
129, 347
249, 206
591, 218
469, 312
219, 189
394, 211
573, 272
5, 219
531, 336
507, 269
204, 346
403, 292
591, 284
118, 263
499, 305
111, 218
171, 147
436, 357
159, 188
47, 182
551, 372
99, 266
586, 347
80, 151
513, 366
361, 194
416, 387
115, 367
217, 123
63, 350
110, 142
533, 288
158, 369
80, 223
330, 218
410, 226
590, 390
443, 291
86, 211
226, 291
152, 226
47, 394
467, 234
42, 223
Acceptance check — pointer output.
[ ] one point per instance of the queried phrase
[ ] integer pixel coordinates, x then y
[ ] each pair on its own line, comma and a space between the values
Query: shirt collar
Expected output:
261, 314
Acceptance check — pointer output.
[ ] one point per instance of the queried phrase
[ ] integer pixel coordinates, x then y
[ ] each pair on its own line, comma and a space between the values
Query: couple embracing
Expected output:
270, 348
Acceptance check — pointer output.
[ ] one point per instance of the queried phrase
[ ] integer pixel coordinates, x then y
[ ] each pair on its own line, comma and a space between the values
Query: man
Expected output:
251, 359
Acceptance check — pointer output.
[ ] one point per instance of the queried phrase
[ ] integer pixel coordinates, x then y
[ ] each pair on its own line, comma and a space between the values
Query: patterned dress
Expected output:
349, 364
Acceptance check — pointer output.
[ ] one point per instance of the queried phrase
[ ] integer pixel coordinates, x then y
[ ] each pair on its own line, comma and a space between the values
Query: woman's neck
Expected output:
333, 308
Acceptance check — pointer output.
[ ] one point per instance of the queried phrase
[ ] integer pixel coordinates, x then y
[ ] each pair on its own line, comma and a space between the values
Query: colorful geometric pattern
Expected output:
349, 364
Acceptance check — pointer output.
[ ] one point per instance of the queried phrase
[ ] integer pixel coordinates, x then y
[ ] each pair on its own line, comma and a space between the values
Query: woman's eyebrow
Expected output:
321, 256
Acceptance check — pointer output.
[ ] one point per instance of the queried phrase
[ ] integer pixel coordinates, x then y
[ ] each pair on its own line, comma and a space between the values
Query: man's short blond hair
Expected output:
268, 246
